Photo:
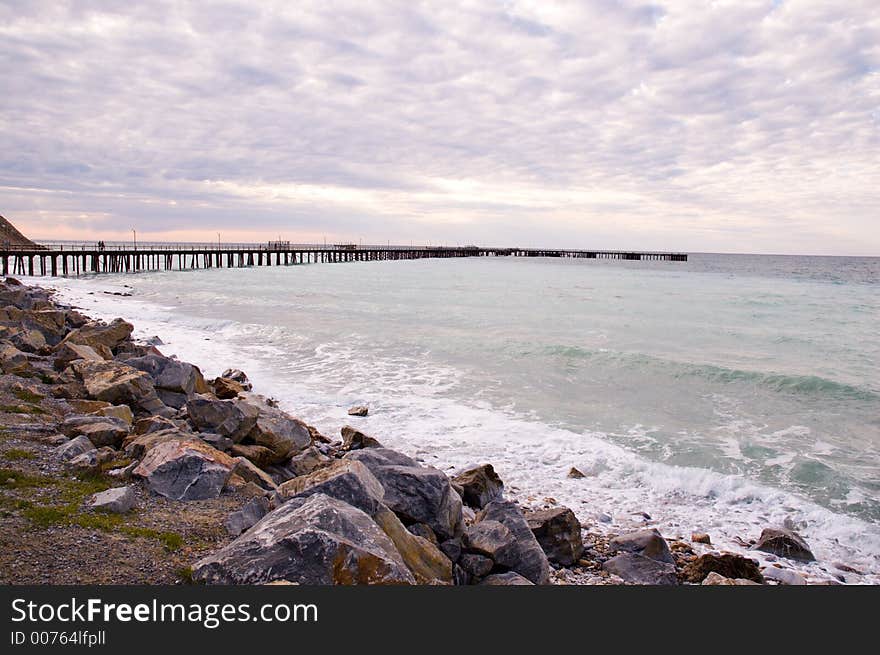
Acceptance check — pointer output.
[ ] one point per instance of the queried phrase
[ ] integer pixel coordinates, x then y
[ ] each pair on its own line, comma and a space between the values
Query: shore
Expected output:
121, 465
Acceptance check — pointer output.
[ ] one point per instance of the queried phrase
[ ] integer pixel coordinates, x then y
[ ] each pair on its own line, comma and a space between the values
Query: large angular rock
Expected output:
314, 540
118, 384
231, 418
493, 540
642, 570
259, 455
12, 360
784, 543
530, 560
73, 448
648, 543
251, 473
247, 516
237, 375
559, 533
480, 485
346, 480
170, 374
97, 334
137, 445
116, 501
426, 561
104, 433
307, 461
50, 323
284, 435
185, 470
70, 352
227, 389
729, 565
354, 439
417, 494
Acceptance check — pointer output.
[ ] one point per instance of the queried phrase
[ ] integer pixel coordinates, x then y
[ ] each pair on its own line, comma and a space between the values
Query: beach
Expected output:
676, 500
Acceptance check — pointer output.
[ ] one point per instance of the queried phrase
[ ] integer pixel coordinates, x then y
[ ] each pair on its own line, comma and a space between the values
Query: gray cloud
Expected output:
708, 126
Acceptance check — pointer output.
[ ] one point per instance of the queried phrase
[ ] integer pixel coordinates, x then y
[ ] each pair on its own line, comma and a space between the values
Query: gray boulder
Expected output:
530, 560
476, 565
784, 543
559, 533
120, 384
479, 485
648, 543
417, 494
307, 461
354, 439
642, 570
230, 418
118, 500
170, 374
493, 540
346, 480
73, 448
185, 469
284, 435
247, 516
314, 540
104, 433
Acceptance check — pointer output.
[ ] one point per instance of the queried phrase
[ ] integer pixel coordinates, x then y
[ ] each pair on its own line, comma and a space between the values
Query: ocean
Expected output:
721, 395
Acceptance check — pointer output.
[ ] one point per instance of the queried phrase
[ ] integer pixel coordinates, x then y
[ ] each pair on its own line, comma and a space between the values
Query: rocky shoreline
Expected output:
121, 465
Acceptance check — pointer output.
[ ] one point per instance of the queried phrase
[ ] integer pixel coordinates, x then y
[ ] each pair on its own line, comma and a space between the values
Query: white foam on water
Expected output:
412, 409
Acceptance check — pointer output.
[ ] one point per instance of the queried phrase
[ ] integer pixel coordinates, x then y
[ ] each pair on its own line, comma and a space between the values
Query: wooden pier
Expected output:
79, 259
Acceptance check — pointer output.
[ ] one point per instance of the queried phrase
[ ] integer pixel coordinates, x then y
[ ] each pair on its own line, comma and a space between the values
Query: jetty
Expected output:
79, 259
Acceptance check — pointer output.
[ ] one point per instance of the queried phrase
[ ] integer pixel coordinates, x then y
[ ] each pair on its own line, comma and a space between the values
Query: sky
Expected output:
743, 126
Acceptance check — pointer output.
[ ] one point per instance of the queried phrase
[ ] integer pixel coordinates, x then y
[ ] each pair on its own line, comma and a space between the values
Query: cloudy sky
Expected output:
749, 125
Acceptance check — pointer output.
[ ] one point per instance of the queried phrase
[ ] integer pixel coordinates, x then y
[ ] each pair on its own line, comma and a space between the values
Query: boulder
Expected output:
477, 566
136, 446
640, 569
154, 424
479, 485
170, 374
346, 480
173, 399
575, 474
73, 448
251, 473
96, 334
276, 430
70, 352
729, 565
360, 410
784, 576
559, 533
237, 375
530, 560
118, 500
185, 469
353, 439
784, 543
259, 455
227, 389
28, 340
314, 540
719, 580
424, 559
701, 538
247, 516
217, 441
231, 418
307, 461
417, 494
12, 360
648, 543
505, 580
103, 433
118, 384
493, 540
121, 412
91, 461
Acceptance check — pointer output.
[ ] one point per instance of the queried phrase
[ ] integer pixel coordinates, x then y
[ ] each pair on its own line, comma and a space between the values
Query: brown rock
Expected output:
729, 565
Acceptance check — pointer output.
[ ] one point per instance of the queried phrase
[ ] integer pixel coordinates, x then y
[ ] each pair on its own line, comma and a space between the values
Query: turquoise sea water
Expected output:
732, 390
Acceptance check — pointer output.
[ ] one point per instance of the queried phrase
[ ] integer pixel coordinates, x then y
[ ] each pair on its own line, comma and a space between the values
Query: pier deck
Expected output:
79, 259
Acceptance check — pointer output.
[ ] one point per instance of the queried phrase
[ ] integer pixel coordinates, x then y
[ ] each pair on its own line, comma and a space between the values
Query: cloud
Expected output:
731, 126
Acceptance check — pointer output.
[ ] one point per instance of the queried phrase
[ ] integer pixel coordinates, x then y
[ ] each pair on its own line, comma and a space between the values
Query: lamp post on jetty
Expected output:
135, 238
